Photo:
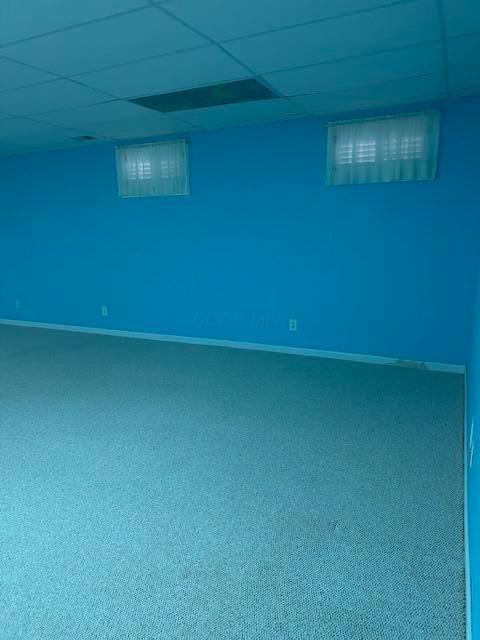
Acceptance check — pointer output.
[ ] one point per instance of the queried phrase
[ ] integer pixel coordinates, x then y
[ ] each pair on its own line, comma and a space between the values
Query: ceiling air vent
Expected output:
210, 96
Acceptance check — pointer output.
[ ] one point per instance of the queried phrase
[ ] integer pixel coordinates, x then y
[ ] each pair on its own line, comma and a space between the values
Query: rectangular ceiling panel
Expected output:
466, 78
334, 76
18, 127
464, 52
225, 20
59, 94
462, 17
22, 19
47, 138
208, 96
14, 75
387, 93
359, 34
151, 125
227, 115
119, 40
104, 112
184, 70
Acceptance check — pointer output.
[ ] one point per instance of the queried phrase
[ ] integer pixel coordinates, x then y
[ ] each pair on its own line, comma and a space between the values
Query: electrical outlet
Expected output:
17, 304
292, 324
104, 310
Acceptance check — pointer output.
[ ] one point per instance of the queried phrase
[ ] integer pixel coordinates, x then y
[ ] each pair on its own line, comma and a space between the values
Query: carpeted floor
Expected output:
155, 491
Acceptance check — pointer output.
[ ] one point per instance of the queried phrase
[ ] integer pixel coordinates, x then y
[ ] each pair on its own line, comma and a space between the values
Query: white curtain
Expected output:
383, 150
157, 169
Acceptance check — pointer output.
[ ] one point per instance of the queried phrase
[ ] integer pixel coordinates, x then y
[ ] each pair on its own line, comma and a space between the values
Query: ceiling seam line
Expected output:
31, 118
261, 74
97, 70
74, 77
138, 61
289, 27
374, 84
443, 30
463, 35
351, 58
232, 57
73, 26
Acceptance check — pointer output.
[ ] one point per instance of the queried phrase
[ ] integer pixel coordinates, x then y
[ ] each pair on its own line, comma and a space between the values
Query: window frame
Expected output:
119, 170
349, 157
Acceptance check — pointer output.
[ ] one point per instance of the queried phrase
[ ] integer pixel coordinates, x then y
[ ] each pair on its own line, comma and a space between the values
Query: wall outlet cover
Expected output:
471, 444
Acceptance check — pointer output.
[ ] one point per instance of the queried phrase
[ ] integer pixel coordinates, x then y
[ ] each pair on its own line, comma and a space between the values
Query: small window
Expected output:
389, 149
158, 169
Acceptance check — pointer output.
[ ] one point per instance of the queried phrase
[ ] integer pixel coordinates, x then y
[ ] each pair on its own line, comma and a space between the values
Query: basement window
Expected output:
391, 149
157, 169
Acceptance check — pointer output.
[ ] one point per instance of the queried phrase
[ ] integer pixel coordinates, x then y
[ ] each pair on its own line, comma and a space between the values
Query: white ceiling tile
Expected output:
42, 146
13, 150
14, 75
179, 71
462, 17
384, 94
119, 40
230, 114
335, 76
32, 17
466, 78
48, 138
462, 93
59, 94
224, 20
7, 149
354, 35
17, 127
104, 112
464, 51
156, 124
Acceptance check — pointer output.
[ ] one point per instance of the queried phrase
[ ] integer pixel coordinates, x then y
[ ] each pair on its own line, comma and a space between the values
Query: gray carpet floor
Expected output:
156, 491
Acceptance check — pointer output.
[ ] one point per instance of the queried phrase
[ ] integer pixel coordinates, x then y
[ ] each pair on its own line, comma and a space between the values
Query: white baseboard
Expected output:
255, 346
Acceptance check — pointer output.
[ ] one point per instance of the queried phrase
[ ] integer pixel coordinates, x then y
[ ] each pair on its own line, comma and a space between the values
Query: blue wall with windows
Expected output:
377, 269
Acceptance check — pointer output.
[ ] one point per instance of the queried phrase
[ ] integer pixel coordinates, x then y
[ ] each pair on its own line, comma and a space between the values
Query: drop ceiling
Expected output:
69, 68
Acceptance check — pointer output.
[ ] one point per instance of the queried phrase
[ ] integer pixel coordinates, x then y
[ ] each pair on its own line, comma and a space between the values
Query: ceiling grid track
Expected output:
58, 77
443, 29
253, 74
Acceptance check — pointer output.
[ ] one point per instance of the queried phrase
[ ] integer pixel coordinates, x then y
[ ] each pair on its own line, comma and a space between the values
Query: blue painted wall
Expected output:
376, 269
